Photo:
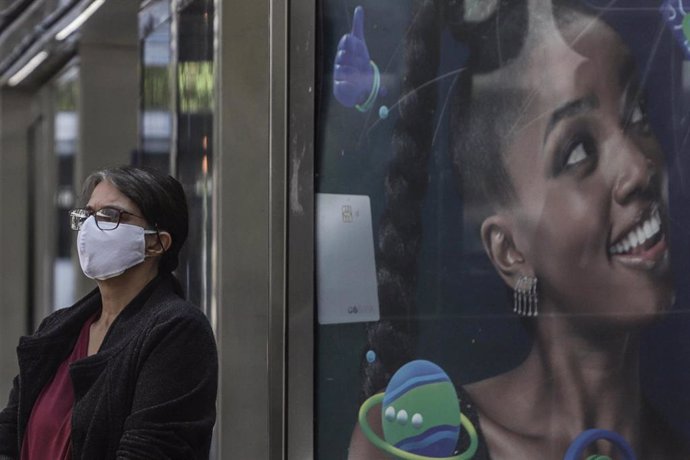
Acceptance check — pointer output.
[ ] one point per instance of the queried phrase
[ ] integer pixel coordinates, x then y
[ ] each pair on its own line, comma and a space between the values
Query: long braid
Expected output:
400, 228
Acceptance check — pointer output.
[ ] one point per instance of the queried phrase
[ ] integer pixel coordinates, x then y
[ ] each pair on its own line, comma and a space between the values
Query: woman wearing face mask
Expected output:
129, 371
550, 137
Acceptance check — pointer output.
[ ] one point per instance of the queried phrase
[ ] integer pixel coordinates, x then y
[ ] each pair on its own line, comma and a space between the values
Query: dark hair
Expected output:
400, 232
480, 120
160, 198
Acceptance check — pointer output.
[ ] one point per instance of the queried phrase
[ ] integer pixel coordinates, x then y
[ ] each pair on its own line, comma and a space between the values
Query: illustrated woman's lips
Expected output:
644, 245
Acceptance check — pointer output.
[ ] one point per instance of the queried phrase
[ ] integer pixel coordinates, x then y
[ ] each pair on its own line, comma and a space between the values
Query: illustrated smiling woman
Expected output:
550, 138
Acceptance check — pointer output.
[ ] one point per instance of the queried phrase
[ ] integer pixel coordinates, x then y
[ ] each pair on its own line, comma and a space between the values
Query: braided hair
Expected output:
480, 119
400, 228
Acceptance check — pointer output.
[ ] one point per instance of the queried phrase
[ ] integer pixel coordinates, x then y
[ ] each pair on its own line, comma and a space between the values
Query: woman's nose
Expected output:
636, 172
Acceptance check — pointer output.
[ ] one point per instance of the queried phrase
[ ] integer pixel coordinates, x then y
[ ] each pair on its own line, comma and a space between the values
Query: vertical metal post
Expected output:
249, 226
300, 280
15, 111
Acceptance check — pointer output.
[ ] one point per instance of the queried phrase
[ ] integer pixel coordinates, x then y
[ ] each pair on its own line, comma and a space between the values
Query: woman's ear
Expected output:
158, 244
499, 244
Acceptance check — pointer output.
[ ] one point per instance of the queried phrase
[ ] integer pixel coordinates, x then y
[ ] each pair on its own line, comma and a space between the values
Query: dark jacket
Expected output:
148, 393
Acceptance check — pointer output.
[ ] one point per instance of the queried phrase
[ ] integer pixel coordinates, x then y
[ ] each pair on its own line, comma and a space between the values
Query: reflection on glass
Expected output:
195, 94
195, 86
194, 154
156, 102
66, 129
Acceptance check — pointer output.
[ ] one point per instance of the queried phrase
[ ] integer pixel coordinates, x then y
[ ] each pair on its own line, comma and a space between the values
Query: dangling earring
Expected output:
525, 298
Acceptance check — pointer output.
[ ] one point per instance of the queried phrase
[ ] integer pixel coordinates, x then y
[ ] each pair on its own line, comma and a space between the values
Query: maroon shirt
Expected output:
49, 430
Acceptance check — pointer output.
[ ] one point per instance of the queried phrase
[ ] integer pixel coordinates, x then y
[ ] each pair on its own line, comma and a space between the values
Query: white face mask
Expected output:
106, 254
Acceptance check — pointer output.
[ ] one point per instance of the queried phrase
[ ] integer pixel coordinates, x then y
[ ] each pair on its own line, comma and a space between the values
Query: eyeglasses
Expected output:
107, 218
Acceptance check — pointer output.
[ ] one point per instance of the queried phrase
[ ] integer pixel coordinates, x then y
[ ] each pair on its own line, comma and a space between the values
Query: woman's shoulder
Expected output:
494, 400
466, 401
497, 414
165, 304
176, 309
163, 318
72, 316
176, 317
506, 420
468, 408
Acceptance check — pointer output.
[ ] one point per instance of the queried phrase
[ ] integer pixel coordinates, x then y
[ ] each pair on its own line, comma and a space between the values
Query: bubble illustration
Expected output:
383, 112
371, 356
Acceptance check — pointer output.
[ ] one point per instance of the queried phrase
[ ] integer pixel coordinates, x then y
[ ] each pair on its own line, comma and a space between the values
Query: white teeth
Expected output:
633, 238
656, 225
638, 235
648, 229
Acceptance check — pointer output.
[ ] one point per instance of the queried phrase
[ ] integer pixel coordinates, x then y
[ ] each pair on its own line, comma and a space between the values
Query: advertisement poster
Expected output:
513, 177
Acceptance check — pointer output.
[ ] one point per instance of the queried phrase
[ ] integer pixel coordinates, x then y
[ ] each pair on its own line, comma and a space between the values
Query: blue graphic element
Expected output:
407, 378
383, 112
427, 442
580, 444
676, 14
421, 388
420, 415
371, 356
356, 78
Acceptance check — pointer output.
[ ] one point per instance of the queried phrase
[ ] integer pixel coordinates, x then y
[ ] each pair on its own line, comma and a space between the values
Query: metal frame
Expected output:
263, 228
45, 231
300, 411
249, 227
278, 104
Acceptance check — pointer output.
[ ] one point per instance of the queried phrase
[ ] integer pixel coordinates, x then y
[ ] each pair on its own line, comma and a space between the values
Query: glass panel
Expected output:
195, 112
66, 129
195, 118
501, 229
156, 130
32, 299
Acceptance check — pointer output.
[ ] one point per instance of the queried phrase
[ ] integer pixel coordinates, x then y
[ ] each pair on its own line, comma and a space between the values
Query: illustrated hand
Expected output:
353, 72
675, 13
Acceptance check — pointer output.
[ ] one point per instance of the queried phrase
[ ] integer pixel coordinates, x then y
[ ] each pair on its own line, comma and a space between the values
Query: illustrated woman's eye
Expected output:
579, 151
637, 117
577, 155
